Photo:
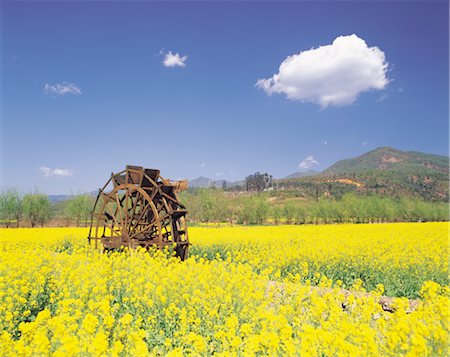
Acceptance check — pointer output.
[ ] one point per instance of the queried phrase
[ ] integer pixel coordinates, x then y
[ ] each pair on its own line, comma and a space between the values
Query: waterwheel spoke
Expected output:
125, 211
146, 228
133, 210
111, 227
141, 215
113, 215
118, 208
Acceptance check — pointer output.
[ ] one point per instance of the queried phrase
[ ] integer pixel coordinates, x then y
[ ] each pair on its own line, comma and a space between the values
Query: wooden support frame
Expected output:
128, 214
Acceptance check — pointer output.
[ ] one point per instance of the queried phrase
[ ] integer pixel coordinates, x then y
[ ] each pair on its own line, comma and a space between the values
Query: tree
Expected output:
10, 207
289, 212
258, 182
36, 208
261, 210
277, 214
206, 205
301, 213
78, 208
221, 208
246, 213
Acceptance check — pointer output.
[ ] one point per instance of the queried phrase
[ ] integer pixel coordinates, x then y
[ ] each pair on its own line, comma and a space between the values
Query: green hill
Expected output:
390, 159
385, 171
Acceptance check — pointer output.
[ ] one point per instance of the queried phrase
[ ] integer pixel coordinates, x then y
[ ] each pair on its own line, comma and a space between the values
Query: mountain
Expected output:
390, 159
301, 174
62, 198
385, 171
202, 181
58, 198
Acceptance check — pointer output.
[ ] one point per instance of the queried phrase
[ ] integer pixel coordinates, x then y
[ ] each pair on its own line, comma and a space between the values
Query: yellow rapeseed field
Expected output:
244, 291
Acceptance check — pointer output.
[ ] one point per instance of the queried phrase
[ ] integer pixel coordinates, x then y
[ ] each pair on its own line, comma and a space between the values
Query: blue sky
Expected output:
85, 89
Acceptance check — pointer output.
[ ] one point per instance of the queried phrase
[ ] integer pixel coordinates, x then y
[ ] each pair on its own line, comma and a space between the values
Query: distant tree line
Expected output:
36, 209
214, 205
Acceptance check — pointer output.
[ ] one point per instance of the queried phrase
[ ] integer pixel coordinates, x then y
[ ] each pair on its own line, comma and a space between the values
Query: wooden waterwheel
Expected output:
138, 207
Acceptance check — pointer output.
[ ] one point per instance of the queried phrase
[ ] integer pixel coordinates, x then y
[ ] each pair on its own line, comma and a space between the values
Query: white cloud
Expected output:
308, 162
202, 164
330, 75
218, 174
48, 172
364, 143
325, 142
174, 60
62, 88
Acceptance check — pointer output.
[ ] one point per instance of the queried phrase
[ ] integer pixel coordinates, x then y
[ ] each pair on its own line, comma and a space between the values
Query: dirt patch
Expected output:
390, 159
346, 181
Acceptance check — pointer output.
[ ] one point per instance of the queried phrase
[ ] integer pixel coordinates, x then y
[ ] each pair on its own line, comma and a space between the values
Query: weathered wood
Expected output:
142, 208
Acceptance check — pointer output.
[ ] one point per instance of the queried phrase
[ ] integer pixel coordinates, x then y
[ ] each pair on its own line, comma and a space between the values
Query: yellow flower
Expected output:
278, 290
90, 323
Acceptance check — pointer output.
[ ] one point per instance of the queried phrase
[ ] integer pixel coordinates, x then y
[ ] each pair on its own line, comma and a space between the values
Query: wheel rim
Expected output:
124, 215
